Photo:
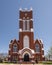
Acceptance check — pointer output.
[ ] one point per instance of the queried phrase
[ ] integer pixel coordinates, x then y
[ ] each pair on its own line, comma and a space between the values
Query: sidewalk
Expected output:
21, 64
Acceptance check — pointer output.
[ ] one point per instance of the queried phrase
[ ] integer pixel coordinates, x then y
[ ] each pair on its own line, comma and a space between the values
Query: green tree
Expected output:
50, 51
49, 54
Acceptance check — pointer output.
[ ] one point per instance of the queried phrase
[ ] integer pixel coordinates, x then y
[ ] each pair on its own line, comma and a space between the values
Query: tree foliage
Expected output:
50, 51
49, 54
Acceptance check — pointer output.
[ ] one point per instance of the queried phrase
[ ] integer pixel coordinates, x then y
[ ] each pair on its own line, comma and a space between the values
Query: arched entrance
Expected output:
26, 57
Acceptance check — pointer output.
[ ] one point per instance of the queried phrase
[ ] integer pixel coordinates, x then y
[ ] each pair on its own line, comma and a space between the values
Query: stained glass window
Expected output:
37, 47
15, 48
26, 41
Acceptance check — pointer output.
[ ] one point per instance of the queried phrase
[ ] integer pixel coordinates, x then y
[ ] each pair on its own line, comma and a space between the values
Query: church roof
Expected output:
39, 40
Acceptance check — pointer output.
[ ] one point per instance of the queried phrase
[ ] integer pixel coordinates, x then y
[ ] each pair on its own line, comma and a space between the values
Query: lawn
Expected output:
40, 63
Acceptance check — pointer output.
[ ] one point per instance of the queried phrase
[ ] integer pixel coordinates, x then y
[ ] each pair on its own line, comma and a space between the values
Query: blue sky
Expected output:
9, 24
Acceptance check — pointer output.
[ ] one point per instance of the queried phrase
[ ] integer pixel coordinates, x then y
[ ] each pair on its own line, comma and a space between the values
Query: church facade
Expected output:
26, 48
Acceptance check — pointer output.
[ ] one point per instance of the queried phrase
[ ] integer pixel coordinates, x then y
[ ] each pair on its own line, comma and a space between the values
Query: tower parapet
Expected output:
25, 9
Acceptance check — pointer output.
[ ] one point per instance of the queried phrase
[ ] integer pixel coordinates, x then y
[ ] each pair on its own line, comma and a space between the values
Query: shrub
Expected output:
1, 60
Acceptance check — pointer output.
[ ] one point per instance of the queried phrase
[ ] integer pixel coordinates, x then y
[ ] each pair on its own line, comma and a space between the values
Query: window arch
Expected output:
26, 41
15, 48
37, 47
25, 25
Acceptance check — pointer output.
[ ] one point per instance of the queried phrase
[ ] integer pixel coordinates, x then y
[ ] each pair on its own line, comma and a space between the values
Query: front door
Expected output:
26, 57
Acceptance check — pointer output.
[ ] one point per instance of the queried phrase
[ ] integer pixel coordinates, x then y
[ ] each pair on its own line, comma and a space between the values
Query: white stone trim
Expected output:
31, 19
20, 19
32, 30
26, 31
27, 53
27, 48
25, 9
41, 40
32, 51
20, 30
31, 8
26, 20
42, 48
20, 9
42, 55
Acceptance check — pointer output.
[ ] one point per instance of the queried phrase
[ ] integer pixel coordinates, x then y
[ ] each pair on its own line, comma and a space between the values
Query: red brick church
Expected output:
26, 48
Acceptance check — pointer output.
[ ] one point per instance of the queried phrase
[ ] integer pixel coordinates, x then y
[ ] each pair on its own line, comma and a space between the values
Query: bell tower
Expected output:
26, 34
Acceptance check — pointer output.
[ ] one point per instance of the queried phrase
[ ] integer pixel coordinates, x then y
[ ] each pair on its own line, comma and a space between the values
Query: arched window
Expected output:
25, 25
37, 47
15, 48
26, 41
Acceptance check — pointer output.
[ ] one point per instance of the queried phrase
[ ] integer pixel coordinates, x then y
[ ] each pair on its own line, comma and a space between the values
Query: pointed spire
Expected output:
20, 9
31, 8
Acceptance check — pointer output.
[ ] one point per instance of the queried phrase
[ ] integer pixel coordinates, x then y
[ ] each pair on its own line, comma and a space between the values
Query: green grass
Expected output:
47, 62
44, 62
